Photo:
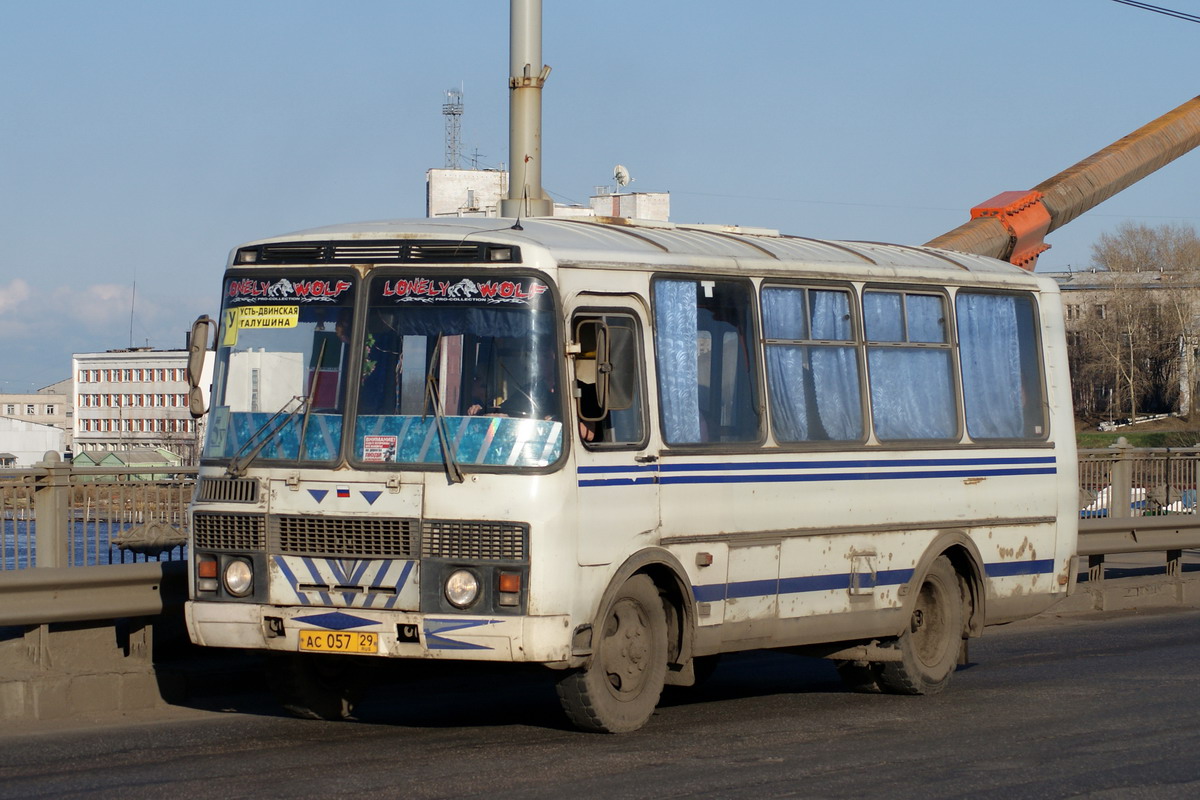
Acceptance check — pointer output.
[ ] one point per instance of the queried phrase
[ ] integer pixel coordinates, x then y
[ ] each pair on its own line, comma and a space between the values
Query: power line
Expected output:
1160, 10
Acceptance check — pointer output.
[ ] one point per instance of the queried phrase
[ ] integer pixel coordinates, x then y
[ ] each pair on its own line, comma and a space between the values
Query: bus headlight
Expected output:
462, 588
239, 577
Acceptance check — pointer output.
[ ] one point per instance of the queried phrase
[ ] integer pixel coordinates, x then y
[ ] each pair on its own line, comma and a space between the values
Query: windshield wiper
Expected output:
238, 467
432, 394
312, 390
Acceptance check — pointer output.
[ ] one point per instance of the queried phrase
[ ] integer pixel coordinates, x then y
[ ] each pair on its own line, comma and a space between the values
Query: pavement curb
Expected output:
1126, 594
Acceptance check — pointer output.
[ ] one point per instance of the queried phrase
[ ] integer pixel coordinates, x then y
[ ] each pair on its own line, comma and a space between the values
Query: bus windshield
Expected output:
279, 386
459, 367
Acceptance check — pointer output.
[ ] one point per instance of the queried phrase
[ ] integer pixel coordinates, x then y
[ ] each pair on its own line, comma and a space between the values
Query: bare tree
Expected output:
1134, 348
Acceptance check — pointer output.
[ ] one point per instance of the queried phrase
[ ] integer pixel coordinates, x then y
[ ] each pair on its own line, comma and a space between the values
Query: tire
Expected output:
619, 690
314, 686
930, 645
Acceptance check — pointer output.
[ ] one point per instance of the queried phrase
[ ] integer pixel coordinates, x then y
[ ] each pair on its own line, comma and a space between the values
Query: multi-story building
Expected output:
134, 398
45, 411
1149, 318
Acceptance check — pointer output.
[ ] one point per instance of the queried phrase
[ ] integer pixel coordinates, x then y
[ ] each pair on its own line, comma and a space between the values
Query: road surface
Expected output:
1091, 705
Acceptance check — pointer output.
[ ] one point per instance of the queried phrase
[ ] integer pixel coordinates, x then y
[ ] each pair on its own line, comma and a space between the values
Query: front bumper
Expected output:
401, 634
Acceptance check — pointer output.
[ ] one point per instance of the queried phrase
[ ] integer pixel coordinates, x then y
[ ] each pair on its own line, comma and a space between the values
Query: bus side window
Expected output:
704, 345
1002, 383
608, 381
909, 366
812, 364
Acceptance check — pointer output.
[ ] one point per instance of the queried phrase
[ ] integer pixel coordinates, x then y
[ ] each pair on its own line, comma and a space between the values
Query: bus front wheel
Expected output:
929, 646
619, 690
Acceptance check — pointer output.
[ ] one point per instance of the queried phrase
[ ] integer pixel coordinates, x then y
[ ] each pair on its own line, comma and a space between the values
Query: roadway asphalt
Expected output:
1073, 703
1080, 704
1134, 584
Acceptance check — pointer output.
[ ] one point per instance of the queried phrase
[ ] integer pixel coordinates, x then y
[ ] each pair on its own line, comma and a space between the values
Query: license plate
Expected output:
339, 642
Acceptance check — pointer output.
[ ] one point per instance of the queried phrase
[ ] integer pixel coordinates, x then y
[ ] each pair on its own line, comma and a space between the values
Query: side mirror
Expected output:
591, 365
607, 361
197, 350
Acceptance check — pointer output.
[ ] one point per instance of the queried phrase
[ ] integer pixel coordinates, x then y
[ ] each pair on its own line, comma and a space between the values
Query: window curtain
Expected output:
816, 383
991, 364
882, 317
783, 318
926, 318
912, 394
678, 374
835, 369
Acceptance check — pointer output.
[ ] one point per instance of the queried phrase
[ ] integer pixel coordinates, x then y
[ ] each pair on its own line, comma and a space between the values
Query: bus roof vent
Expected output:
292, 253
371, 251
388, 251
437, 252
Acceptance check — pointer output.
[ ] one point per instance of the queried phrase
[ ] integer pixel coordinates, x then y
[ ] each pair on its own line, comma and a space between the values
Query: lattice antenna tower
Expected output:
452, 110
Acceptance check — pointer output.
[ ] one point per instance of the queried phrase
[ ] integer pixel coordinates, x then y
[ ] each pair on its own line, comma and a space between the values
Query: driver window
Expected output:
608, 384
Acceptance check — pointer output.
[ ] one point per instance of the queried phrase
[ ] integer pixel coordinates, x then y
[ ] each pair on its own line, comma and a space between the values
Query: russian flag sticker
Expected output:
343, 491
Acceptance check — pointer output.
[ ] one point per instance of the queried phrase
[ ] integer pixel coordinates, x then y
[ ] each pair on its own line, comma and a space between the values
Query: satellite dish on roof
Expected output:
621, 175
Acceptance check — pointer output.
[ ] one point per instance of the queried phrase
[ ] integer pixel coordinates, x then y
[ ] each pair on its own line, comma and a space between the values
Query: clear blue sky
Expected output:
140, 141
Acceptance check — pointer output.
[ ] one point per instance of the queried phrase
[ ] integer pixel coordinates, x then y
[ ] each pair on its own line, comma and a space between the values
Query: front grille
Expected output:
215, 531
370, 537
345, 536
483, 541
229, 490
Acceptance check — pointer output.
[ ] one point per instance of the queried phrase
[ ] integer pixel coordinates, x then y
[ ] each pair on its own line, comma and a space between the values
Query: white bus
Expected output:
621, 449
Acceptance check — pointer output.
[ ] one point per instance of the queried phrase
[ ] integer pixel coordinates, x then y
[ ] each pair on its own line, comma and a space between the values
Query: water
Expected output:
89, 546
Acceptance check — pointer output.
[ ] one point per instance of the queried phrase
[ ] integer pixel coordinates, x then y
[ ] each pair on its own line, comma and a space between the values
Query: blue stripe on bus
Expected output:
766, 471
853, 476
713, 592
850, 464
1003, 569
619, 468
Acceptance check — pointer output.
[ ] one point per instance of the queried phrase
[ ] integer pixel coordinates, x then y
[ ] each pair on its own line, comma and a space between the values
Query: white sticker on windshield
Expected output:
379, 448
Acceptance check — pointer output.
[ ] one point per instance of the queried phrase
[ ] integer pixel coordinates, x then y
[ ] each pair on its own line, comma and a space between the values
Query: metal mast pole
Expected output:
527, 75
1060, 199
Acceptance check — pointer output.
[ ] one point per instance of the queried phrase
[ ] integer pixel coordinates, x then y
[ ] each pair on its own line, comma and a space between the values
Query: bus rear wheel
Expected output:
314, 687
929, 646
619, 690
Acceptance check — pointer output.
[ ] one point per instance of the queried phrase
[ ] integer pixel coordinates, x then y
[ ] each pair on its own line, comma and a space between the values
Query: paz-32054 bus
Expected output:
621, 449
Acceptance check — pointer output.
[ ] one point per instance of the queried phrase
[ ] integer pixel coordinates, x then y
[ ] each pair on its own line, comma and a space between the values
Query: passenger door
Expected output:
617, 478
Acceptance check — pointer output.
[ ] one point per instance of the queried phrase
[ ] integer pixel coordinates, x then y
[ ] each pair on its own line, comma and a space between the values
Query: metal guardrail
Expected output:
1138, 500
90, 543
1119, 535
78, 594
